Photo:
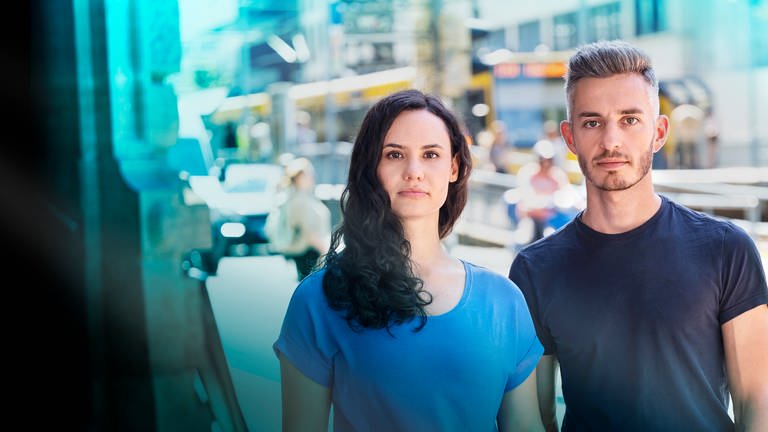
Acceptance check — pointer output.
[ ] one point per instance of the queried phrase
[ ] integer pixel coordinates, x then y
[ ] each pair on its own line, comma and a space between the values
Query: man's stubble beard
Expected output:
613, 181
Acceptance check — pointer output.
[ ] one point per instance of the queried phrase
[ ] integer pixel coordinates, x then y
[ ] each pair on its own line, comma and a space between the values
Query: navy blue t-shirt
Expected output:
634, 318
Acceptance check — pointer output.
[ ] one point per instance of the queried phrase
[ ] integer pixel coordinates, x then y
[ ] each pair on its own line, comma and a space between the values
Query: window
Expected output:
649, 16
564, 31
605, 22
759, 33
528, 36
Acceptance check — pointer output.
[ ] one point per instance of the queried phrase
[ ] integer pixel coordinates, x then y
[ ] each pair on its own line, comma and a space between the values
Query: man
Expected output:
654, 313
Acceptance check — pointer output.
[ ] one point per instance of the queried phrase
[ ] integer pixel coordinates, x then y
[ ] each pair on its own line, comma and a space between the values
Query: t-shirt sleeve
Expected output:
305, 338
529, 349
519, 274
744, 283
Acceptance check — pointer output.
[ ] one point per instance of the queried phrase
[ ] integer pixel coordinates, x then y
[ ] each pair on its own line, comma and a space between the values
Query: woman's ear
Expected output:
455, 168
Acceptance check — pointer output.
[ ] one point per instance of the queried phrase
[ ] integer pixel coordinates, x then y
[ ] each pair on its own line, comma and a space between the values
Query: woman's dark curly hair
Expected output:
370, 276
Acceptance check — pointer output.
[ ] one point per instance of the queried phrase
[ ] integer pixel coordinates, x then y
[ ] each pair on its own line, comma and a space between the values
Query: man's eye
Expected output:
632, 120
591, 123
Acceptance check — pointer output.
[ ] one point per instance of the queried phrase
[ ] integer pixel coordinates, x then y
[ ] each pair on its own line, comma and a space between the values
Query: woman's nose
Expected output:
414, 170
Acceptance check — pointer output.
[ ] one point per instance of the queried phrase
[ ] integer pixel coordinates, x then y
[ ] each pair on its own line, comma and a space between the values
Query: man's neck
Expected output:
616, 212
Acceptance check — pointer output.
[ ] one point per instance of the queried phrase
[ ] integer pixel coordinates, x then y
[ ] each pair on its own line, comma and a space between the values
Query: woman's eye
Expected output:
394, 155
431, 155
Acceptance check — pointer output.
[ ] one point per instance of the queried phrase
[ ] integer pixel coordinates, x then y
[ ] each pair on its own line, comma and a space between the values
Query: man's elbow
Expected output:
751, 413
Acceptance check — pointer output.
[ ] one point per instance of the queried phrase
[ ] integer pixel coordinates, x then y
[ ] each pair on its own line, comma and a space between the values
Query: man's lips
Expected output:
611, 163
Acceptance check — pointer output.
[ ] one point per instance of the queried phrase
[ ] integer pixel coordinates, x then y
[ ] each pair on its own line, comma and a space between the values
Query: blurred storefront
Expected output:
480, 52
692, 141
710, 53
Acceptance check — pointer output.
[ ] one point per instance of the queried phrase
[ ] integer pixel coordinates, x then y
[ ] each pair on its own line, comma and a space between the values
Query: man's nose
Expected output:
611, 137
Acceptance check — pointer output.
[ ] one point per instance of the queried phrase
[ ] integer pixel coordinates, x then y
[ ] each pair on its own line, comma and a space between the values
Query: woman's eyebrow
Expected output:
425, 146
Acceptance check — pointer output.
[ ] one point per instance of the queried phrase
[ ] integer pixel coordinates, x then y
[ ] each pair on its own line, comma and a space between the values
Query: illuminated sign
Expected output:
529, 70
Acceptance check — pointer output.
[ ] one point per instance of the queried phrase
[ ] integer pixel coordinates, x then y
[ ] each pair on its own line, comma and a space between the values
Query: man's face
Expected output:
614, 129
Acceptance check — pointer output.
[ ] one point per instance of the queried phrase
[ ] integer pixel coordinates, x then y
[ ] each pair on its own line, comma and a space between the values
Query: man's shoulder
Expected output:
563, 237
700, 219
719, 230
552, 253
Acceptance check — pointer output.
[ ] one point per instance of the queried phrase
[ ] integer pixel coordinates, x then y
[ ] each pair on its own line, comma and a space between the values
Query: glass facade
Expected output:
759, 32
565, 31
604, 22
649, 17
529, 36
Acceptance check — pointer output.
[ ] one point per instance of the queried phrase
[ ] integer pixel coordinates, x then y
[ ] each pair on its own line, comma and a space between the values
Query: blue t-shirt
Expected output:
450, 375
635, 318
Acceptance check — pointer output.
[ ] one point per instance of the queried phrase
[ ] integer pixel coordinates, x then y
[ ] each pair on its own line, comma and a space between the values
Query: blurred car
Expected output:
239, 206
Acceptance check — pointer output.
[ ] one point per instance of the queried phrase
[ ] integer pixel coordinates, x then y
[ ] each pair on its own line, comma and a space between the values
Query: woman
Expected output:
393, 331
308, 218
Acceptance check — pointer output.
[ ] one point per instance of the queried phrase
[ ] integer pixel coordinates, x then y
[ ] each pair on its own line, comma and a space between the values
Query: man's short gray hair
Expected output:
603, 59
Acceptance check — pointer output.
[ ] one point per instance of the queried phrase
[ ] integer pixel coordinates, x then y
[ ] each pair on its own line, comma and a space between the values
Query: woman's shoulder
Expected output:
310, 289
483, 276
492, 288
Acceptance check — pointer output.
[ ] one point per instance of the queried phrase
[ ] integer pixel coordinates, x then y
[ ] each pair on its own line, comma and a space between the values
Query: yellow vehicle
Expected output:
523, 92
349, 98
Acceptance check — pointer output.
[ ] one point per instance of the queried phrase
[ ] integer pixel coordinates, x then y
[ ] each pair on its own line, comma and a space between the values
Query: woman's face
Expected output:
416, 166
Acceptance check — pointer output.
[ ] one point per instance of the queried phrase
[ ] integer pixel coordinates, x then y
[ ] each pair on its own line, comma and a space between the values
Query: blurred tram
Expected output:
342, 102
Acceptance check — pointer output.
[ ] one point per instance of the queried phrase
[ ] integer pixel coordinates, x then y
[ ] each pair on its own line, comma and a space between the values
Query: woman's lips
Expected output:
413, 193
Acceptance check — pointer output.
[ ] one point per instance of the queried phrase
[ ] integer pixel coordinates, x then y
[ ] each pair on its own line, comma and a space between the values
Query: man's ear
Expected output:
662, 132
567, 133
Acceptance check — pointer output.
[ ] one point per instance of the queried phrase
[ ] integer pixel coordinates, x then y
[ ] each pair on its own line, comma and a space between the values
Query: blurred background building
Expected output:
504, 61
130, 99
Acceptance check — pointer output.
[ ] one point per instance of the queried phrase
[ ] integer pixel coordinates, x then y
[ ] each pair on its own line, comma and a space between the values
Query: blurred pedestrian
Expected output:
546, 199
552, 134
654, 312
304, 132
306, 224
712, 133
688, 123
393, 332
499, 151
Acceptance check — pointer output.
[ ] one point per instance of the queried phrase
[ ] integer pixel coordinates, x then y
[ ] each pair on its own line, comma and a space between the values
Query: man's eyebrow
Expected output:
588, 114
622, 112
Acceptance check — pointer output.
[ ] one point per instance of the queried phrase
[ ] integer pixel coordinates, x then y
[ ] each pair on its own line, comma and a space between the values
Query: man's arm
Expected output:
306, 404
545, 385
518, 408
745, 339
